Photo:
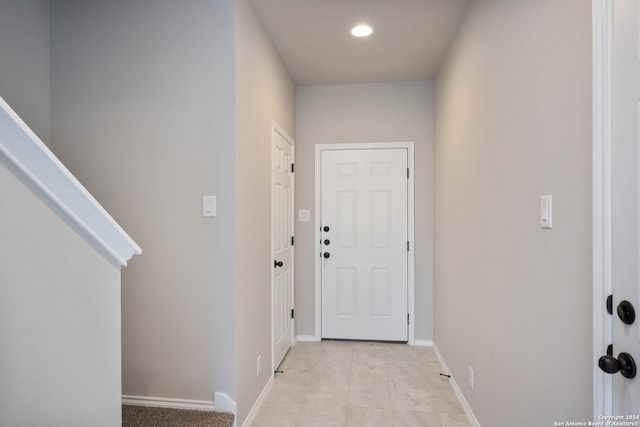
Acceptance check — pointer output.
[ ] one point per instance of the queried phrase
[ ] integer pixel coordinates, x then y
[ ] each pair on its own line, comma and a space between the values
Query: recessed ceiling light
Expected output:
361, 30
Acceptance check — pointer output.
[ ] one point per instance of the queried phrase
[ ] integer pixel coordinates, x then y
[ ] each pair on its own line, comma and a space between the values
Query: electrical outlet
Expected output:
470, 377
259, 365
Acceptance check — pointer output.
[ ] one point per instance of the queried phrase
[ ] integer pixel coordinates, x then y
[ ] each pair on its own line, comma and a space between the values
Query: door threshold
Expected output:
364, 340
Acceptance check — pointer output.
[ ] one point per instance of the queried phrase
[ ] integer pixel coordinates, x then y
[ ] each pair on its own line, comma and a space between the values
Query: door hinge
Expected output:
292, 313
293, 168
407, 173
407, 318
292, 241
407, 246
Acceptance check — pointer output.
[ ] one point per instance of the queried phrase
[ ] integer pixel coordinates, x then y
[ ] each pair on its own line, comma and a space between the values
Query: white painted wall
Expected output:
372, 112
170, 94
143, 97
59, 318
264, 92
513, 122
24, 62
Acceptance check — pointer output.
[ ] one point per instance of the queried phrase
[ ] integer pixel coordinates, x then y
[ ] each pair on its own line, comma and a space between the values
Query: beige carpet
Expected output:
143, 416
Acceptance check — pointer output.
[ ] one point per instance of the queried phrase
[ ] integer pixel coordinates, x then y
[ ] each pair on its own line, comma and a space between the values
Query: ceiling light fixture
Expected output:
361, 30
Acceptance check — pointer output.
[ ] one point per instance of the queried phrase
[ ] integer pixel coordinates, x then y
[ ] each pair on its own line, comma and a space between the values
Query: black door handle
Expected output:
326, 255
623, 364
326, 242
326, 228
626, 312
277, 264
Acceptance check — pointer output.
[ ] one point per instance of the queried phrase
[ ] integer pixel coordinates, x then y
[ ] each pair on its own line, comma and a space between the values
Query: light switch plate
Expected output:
209, 206
546, 211
304, 216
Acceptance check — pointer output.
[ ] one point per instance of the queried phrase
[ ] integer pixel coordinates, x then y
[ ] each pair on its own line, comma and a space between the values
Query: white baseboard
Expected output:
307, 338
422, 343
224, 403
465, 405
163, 402
256, 406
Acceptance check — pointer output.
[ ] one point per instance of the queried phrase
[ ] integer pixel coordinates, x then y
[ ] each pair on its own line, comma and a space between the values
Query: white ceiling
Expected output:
313, 38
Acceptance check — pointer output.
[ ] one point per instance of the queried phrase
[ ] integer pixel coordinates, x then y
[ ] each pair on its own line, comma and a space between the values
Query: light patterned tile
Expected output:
329, 416
369, 394
336, 383
411, 393
360, 417
278, 413
416, 419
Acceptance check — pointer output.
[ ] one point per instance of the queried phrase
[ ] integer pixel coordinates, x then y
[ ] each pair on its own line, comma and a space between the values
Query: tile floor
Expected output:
337, 383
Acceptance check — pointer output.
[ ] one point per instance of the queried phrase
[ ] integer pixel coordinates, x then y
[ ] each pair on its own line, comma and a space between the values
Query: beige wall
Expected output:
374, 112
143, 114
170, 94
59, 318
24, 62
513, 122
264, 91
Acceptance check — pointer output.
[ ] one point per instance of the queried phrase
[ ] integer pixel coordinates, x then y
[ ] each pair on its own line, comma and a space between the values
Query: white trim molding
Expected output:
40, 169
256, 406
223, 403
422, 343
163, 402
308, 338
602, 269
465, 405
409, 146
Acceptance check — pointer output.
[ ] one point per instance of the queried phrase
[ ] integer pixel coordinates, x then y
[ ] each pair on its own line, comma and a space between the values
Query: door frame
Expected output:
319, 148
602, 28
277, 129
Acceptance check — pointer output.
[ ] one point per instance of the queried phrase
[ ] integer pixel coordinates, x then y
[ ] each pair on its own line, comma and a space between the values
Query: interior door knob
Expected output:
623, 364
325, 228
326, 255
626, 312
327, 241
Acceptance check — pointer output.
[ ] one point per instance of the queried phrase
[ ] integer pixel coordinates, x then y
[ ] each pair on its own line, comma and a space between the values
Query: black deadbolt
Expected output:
626, 312
327, 241
326, 228
623, 364
326, 255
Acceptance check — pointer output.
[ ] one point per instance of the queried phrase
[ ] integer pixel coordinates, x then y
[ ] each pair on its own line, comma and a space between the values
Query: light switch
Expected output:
209, 206
546, 211
304, 216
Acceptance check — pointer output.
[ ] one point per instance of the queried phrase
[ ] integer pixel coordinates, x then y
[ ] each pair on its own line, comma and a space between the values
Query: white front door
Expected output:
364, 256
625, 109
282, 242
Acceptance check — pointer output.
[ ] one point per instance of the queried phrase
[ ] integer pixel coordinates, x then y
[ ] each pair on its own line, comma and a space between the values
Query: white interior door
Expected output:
282, 241
625, 108
364, 244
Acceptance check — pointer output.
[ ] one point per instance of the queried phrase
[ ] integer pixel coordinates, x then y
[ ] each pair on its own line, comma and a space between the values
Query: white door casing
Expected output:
616, 197
364, 290
282, 232
625, 114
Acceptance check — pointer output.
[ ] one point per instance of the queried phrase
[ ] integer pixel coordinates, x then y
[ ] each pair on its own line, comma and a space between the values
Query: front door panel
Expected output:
625, 104
364, 244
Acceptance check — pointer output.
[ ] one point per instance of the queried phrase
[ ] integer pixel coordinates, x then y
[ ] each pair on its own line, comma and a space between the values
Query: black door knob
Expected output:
327, 241
623, 364
277, 264
626, 312
325, 228
326, 255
